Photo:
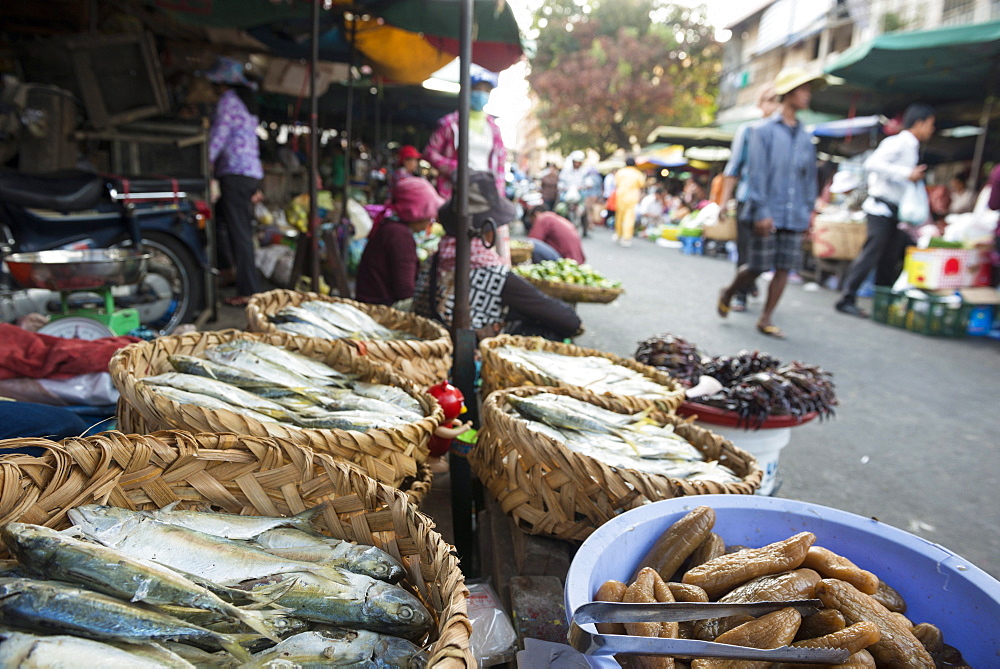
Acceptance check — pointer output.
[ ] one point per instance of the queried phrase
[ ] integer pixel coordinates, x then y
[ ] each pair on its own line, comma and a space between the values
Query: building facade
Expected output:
811, 33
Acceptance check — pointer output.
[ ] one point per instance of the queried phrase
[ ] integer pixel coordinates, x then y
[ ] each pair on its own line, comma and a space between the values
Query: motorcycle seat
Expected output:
66, 190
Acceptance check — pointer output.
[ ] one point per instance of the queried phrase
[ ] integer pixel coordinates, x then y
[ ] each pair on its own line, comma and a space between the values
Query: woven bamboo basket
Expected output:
573, 292
521, 253
389, 455
424, 361
549, 489
241, 475
499, 373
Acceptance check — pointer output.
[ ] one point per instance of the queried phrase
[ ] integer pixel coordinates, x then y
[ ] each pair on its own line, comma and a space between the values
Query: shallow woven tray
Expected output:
242, 475
572, 292
520, 254
498, 372
388, 455
425, 361
549, 489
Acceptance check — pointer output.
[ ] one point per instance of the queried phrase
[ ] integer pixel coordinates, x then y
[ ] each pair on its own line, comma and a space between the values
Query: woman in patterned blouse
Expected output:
235, 156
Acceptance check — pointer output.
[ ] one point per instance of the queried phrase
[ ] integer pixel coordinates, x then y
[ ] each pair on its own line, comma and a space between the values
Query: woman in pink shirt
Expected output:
557, 232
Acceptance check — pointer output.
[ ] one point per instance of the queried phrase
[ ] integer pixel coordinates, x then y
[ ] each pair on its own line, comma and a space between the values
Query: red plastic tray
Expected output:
714, 416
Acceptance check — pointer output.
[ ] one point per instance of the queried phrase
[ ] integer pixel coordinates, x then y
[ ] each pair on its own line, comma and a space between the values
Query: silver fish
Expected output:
262, 368
355, 421
298, 315
57, 556
295, 362
231, 526
220, 390
222, 561
350, 318
209, 402
304, 329
390, 394
358, 649
362, 602
57, 607
311, 547
189, 364
19, 650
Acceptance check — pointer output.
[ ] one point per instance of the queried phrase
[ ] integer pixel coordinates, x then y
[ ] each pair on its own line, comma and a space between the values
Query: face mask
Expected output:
478, 100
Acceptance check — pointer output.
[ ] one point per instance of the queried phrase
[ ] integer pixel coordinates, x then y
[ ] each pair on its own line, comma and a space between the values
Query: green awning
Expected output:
954, 63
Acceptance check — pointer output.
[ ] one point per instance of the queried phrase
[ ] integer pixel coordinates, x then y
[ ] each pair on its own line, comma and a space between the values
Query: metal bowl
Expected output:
78, 270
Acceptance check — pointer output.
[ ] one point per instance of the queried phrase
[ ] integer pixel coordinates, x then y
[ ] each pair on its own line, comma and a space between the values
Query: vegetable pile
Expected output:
566, 270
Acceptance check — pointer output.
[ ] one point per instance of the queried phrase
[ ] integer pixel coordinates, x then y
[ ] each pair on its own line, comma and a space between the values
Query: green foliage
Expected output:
607, 72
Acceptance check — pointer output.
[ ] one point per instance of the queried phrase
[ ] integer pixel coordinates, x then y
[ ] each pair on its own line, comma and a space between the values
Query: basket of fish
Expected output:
416, 347
278, 385
216, 550
562, 461
510, 361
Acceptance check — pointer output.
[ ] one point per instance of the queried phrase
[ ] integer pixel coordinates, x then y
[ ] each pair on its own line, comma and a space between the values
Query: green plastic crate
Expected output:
890, 307
937, 316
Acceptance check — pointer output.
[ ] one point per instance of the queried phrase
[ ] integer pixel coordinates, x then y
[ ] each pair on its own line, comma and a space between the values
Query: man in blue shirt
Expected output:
736, 178
781, 195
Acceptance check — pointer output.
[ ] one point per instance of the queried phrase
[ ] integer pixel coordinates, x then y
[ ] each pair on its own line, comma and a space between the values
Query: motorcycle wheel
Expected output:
174, 288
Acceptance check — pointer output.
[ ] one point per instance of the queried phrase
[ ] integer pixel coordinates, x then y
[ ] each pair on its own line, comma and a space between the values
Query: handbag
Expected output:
914, 206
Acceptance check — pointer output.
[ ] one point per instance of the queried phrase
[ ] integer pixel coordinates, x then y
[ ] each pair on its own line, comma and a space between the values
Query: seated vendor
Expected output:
499, 300
555, 231
388, 267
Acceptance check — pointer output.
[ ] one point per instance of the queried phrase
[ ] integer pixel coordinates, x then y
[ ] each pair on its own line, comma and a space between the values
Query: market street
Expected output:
913, 441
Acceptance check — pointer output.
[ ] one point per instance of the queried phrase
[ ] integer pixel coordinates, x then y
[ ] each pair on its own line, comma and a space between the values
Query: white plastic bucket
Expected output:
764, 444
939, 586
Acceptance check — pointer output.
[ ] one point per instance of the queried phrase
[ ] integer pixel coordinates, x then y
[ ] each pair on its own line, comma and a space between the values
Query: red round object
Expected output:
449, 397
714, 416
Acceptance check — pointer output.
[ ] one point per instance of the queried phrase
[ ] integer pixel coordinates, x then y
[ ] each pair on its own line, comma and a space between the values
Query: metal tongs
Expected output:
615, 612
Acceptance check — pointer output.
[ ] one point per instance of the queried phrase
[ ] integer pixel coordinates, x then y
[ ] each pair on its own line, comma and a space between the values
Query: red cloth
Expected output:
38, 356
558, 233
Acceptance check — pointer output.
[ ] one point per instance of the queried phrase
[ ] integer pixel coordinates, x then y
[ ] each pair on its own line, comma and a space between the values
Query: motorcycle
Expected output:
77, 210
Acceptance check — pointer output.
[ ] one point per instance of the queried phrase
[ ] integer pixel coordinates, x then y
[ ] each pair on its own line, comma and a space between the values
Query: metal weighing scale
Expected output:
94, 271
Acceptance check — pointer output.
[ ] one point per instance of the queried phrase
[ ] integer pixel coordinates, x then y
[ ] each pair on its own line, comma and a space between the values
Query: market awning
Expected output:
954, 63
690, 136
847, 126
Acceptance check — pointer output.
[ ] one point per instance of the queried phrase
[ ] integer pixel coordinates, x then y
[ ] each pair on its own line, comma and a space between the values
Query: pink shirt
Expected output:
558, 233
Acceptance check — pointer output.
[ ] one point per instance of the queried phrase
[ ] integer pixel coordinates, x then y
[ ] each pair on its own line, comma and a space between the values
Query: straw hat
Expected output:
791, 78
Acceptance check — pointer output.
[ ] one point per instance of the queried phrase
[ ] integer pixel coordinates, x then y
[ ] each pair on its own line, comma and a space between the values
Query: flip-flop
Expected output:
771, 331
723, 306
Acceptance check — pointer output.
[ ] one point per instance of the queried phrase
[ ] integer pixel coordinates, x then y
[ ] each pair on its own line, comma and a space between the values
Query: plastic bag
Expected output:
914, 207
493, 638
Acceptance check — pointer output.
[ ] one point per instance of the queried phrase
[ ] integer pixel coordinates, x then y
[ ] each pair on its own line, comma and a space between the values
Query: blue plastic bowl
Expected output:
939, 586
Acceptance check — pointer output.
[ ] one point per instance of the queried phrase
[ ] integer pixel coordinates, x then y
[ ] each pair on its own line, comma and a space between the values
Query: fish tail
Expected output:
231, 644
624, 437
268, 596
255, 621
303, 520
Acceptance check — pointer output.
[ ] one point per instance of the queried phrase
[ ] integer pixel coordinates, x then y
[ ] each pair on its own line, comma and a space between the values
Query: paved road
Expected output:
915, 439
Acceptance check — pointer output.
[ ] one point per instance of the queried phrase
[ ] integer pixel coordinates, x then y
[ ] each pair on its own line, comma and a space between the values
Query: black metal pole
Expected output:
314, 152
463, 371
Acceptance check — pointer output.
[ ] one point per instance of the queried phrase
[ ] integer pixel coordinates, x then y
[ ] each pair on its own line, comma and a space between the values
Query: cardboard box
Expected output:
933, 269
838, 240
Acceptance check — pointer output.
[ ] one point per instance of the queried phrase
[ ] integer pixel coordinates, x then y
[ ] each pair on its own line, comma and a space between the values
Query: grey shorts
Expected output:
782, 250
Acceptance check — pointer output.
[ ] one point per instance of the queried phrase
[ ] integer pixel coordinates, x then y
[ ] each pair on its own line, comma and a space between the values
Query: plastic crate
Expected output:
936, 316
890, 307
921, 313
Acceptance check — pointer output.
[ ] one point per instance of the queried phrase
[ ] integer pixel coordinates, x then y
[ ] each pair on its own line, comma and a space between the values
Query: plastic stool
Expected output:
692, 246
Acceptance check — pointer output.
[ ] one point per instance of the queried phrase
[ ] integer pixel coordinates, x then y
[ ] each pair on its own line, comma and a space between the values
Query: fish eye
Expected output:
406, 612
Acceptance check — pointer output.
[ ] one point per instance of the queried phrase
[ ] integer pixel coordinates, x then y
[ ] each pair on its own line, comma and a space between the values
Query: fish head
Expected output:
378, 564
396, 610
103, 522
396, 652
23, 540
